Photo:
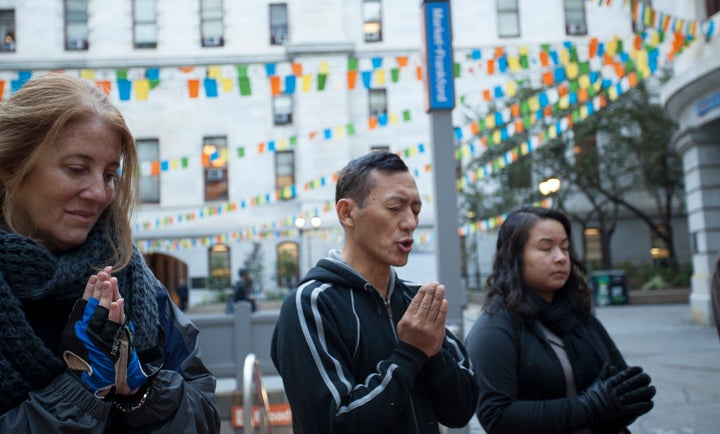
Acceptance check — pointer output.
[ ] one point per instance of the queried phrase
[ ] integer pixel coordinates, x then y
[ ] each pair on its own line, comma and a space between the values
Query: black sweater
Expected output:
336, 347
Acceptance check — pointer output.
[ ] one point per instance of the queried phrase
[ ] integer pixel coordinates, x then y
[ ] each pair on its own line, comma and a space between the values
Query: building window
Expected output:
76, 25
638, 24
288, 264
7, 30
278, 24
658, 246
219, 267
285, 173
211, 23
372, 20
575, 17
508, 14
145, 23
282, 109
377, 102
149, 155
593, 246
215, 166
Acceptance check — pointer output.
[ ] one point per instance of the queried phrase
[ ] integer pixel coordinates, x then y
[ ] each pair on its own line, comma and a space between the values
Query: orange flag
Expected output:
351, 78
194, 87
372, 122
548, 79
104, 85
544, 58
491, 66
275, 85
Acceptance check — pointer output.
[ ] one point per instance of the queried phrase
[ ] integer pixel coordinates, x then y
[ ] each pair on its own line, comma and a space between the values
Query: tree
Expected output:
603, 160
254, 264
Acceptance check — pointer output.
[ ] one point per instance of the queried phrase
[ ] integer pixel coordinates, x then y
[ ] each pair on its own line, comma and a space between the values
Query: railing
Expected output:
252, 375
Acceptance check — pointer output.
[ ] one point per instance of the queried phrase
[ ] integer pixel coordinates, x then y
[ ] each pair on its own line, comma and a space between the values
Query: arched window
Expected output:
288, 266
219, 267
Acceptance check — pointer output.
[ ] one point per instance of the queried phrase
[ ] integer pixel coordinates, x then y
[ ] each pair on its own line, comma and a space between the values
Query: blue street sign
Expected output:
438, 56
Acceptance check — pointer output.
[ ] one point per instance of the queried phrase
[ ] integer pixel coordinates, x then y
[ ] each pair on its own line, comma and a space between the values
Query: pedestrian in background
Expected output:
358, 349
90, 341
242, 290
543, 361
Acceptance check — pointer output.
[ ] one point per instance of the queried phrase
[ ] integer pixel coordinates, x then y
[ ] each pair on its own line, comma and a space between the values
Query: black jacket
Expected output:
522, 384
336, 347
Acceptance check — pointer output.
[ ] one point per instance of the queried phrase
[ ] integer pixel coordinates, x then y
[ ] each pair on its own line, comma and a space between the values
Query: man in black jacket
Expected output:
358, 349
242, 291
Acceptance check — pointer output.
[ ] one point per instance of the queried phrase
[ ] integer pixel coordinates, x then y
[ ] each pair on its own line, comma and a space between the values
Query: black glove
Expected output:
624, 395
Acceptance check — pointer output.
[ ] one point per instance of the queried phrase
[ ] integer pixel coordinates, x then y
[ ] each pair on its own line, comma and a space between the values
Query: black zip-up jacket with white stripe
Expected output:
336, 348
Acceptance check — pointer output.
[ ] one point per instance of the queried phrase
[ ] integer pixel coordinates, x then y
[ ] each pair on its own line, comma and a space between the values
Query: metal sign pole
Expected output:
439, 76
439, 101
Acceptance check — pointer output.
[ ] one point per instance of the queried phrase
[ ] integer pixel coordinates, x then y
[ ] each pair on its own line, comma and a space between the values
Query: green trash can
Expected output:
609, 287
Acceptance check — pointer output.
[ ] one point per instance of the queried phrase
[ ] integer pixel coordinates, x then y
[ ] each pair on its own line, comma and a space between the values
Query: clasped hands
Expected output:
97, 341
620, 395
423, 324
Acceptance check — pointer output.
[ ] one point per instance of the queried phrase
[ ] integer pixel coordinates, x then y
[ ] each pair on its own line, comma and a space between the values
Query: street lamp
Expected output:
300, 223
548, 188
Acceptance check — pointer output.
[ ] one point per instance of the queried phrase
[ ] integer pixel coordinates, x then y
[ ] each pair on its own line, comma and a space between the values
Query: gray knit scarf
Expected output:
30, 273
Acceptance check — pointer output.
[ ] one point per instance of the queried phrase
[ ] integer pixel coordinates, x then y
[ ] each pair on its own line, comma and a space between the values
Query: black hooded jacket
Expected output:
344, 370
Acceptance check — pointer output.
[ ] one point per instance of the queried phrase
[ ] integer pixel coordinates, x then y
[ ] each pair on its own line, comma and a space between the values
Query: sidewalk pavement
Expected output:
682, 358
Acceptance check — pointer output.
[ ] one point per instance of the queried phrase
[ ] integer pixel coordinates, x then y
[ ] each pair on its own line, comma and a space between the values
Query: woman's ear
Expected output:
344, 209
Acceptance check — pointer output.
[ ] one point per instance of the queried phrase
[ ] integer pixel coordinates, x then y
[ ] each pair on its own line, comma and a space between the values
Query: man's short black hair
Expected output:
242, 272
354, 181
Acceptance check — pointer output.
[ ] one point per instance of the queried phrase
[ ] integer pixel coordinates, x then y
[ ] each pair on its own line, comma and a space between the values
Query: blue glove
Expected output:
101, 350
129, 374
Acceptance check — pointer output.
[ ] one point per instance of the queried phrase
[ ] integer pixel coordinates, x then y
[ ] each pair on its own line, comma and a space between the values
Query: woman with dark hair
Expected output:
543, 361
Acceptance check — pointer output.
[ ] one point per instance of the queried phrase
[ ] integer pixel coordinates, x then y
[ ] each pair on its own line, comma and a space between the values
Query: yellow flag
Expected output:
564, 56
511, 88
572, 70
612, 93
215, 72
380, 77
490, 121
306, 82
584, 81
227, 84
142, 88
564, 102
552, 131
88, 74
534, 103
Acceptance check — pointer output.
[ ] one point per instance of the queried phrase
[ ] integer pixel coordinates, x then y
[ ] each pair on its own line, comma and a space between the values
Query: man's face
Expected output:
384, 226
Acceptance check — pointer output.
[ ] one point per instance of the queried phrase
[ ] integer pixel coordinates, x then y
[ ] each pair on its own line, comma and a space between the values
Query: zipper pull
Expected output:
387, 306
